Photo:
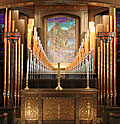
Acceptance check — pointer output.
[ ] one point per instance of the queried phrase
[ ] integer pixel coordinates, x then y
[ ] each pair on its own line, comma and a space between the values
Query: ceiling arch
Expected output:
15, 3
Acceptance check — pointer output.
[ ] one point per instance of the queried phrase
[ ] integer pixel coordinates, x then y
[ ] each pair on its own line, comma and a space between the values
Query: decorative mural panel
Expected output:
31, 108
58, 109
61, 39
86, 109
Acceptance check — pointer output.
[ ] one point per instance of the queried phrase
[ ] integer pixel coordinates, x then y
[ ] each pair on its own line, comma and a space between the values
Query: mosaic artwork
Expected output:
61, 39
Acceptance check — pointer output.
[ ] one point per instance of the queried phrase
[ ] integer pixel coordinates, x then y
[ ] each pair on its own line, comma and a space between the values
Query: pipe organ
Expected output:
13, 60
91, 53
85, 53
14, 54
93, 47
38, 61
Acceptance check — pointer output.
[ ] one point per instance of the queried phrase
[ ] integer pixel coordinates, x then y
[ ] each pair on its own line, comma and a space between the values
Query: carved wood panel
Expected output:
31, 108
58, 109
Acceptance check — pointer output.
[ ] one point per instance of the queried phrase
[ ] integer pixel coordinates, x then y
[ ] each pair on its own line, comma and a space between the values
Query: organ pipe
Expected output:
99, 76
5, 51
21, 65
18, 58
108, 67
8, 57
102, 65
111, 62
115, 56
15, 73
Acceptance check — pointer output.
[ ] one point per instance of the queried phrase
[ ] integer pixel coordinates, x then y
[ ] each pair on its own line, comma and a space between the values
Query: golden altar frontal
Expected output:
68, 106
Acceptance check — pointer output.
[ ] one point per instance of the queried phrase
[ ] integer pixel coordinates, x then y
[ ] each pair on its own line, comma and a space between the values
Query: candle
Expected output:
87, 75
27, 69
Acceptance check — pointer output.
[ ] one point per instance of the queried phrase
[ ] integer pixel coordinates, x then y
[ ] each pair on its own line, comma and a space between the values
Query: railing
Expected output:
64, 75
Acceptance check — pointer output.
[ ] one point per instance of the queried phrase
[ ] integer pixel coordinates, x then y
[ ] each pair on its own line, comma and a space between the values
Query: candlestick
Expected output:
27, 75
88, 75
58, 87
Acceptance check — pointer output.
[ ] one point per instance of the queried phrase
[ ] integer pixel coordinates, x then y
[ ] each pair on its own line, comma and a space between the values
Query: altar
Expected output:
68, 106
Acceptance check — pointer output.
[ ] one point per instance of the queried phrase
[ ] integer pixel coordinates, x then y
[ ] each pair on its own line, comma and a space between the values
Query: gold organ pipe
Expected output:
115, 56
28, 38
5, 48
104, 70
8, 57
21, 64
11, 69
5, 27
4, 93
111, 61
102, 65
15, 74
94, 54
108, 67
12, 65
98, 75
13, 26
8, 69
19, 40
9, 21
